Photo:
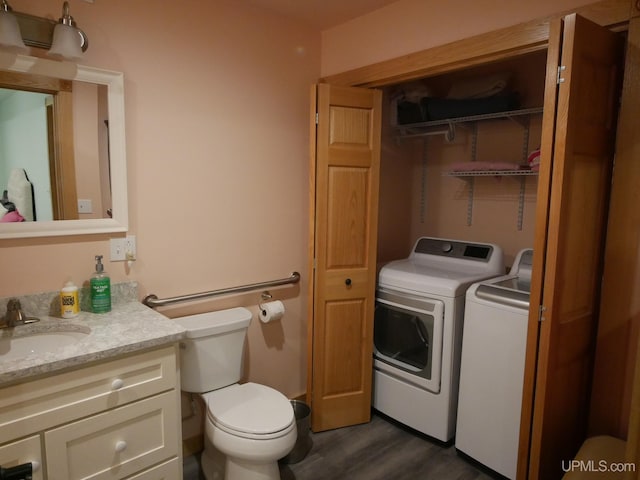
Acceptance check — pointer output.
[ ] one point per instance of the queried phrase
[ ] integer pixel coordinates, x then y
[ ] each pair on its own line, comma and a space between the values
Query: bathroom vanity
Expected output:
104, 407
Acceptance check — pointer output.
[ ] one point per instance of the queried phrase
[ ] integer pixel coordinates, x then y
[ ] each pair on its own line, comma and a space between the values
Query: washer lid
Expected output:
250, 408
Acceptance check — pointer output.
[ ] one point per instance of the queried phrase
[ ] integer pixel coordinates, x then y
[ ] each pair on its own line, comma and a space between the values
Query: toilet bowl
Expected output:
249, 426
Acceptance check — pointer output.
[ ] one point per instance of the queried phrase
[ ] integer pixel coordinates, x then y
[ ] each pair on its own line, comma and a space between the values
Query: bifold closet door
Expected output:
583, 78
345, 176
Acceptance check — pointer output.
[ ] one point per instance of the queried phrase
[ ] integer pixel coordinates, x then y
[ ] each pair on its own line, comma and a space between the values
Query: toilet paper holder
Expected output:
264, 297
270, 311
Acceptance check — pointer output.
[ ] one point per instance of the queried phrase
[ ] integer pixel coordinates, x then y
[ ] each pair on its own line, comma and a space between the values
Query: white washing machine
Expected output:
492, 369
418, 330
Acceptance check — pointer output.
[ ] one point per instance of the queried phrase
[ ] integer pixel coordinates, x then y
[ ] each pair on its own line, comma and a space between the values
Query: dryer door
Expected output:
408, 338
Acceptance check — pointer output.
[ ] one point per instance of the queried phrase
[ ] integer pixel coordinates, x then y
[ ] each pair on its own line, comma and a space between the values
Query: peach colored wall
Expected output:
216, 98
408, 26
495, 199
417, 199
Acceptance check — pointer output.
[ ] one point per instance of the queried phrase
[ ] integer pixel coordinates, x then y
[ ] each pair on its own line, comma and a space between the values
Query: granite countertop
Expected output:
130, 326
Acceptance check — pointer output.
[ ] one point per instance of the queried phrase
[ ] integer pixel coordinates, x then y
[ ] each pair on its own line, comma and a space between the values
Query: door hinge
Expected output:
541, 311
317, 119
561, 69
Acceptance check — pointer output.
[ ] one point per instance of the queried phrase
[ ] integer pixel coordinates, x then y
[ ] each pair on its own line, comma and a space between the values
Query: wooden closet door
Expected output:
575, 177
345, 212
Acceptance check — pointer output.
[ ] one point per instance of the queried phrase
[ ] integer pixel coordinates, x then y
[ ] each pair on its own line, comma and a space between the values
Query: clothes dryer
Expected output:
418, 330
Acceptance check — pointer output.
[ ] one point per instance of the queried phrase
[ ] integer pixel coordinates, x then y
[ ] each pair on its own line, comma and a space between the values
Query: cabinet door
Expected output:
23, 451
344, 211
576, 162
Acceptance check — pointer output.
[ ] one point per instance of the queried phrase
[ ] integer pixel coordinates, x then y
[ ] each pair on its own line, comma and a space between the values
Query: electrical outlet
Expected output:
130, 247
123, 248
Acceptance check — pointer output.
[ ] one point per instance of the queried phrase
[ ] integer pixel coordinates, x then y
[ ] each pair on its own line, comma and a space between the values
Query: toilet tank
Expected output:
211, 354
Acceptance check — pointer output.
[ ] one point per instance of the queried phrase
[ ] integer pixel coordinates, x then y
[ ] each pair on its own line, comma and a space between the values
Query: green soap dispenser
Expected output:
100, 289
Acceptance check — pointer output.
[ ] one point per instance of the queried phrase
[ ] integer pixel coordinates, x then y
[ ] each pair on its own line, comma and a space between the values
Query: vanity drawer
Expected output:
34, 406
23, 451
115, 444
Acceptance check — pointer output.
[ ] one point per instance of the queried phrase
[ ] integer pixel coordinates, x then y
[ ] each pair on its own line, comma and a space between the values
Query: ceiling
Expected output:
322, 13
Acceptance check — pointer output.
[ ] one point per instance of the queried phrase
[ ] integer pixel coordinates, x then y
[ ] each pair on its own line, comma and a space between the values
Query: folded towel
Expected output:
534, 158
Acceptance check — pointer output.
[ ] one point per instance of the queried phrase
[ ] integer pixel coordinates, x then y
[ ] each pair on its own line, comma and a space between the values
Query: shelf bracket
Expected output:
474, 157
423, 181
523, 184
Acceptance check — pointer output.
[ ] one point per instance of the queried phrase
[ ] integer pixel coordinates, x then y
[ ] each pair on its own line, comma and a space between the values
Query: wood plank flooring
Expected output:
381, 450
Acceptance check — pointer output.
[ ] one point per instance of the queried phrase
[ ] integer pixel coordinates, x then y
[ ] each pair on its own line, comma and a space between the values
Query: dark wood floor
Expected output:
380, 450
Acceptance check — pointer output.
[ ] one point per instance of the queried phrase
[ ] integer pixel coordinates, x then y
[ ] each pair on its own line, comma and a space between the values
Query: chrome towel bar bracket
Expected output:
153, 301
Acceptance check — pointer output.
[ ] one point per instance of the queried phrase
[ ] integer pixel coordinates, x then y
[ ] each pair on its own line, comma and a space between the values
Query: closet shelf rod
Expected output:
153, 301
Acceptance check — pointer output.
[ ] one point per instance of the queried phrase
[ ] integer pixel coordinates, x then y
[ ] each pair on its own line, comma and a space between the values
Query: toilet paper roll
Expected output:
271, 311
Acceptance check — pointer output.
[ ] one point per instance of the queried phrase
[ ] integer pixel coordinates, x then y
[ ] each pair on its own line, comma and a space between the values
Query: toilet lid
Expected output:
249, 408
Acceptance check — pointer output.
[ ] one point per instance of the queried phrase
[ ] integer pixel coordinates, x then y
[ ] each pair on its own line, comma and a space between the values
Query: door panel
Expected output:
582, 157
618, 328
345, 206
540, 244
344, 330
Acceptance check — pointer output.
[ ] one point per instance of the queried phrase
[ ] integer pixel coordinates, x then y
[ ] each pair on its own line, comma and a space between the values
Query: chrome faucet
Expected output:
14, 315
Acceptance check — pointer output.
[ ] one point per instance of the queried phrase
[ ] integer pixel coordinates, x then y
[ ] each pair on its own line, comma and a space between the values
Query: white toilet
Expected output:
248, 427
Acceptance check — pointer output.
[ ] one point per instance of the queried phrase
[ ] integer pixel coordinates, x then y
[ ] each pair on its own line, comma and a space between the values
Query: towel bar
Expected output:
153, 301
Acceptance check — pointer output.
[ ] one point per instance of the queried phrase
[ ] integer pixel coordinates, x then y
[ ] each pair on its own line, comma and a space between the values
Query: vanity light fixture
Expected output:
63, 38
10, 38
68, 40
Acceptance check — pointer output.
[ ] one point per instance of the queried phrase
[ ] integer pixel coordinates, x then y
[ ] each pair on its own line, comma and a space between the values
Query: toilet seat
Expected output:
250, 410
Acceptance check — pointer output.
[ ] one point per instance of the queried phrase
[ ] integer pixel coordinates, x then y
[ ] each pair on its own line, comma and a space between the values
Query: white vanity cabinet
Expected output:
113, 420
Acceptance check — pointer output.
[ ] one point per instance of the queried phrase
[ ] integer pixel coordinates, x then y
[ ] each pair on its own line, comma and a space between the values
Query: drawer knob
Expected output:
117, 384
121, 446
348, 282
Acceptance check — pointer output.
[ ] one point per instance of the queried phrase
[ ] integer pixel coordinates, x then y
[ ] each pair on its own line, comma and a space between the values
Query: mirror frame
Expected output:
114, 81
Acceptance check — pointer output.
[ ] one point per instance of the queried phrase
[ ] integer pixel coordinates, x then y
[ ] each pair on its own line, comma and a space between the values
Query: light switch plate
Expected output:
85, 206
117, 249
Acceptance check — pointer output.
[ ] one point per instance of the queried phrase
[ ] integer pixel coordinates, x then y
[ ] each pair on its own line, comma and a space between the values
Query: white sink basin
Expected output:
12, 347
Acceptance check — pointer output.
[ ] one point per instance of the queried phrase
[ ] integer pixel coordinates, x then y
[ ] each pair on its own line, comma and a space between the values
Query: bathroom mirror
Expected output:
82, 98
